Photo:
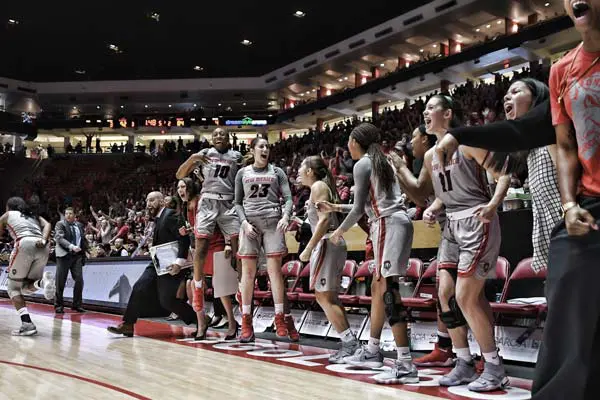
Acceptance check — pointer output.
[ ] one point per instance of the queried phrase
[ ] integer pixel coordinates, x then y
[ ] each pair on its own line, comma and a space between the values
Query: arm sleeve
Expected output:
286, 193
238, 200
362, 182
533, 130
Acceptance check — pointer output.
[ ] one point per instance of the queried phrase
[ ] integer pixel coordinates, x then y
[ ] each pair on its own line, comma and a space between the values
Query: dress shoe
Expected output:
59, 310
123, 329
78, 309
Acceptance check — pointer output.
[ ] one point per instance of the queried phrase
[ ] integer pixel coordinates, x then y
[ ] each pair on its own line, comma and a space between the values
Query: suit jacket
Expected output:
166, 229
63, 236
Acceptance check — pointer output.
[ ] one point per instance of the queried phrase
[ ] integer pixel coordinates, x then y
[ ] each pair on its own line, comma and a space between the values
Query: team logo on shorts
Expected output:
371, 267
14, 271
387, 265
323, 282
487, 267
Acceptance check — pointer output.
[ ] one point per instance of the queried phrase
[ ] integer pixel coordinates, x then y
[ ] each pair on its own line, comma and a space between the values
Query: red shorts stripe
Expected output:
319, 264
478, 254
380, 246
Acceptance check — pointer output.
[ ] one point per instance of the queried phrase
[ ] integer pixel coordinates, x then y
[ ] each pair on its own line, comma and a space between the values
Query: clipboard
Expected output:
164, 255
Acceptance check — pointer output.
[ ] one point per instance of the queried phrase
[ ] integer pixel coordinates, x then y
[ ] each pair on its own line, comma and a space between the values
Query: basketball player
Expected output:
468, 252
421, 192
378, 195
327, 259
258, 190
28, 259
220, 165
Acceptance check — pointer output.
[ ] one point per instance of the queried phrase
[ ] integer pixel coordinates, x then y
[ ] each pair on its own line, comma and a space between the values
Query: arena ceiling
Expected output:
123, 40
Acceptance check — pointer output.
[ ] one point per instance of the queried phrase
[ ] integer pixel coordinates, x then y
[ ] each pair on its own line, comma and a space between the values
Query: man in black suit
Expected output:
151, 289
71, 249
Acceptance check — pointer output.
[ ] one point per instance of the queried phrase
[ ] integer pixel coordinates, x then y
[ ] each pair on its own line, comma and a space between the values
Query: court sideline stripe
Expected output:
81, 378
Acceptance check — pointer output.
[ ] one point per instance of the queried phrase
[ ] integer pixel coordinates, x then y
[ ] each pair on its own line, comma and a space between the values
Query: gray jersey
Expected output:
460, 185
313, 217
20, 226
220, 171
370, 198
258, 192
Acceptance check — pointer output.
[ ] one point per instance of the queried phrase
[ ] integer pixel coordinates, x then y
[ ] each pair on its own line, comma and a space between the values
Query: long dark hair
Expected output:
249, 157
431, 139
368, 137
317, 164
18, 204
193, 189
448, 103
517, 161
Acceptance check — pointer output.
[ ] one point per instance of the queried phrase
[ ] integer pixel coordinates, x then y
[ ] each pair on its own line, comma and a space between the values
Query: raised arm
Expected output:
3, 220
318, 192
417, 189
188, 166
532, 130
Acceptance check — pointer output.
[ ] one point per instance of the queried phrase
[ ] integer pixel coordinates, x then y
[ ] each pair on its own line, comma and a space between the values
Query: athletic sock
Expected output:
373, 345
347, 336
464, 354
246, 309
279, 308
24, 314
444, 341
403, 353
492, 357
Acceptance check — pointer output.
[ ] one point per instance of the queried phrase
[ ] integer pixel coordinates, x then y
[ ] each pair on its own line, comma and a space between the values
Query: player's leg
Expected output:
248, 253
397, 232
20, 264
326, 267
273, 242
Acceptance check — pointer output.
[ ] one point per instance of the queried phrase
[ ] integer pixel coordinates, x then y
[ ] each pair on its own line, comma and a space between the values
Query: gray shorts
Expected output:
327, 262
271, 240
27, 262
213, 212
392, 238
470, 246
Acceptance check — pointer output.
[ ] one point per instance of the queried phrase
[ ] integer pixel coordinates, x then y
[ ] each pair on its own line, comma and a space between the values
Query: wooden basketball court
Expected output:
73, 356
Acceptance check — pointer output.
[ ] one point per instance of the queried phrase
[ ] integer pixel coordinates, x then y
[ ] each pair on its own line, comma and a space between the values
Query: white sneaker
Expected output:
363, 358
47, 284
27, 329
402, 372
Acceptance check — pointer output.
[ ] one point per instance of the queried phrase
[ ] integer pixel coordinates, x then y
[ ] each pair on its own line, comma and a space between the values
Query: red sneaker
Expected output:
437, 358
281, 329
198, 299
291, 328
247, 329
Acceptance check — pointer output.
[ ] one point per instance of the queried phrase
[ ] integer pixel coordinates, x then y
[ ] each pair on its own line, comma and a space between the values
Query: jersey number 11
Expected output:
446, 181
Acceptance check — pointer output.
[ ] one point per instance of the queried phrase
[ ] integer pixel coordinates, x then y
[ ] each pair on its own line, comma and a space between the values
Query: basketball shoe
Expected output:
437, 358
403, 372
247, 335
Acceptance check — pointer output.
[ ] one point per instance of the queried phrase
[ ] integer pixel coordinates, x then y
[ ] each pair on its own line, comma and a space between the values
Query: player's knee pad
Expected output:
453, 318
395, 312
14, 288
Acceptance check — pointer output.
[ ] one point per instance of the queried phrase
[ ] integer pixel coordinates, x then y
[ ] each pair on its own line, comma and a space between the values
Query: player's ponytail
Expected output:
322, 173
20, 205
368, 137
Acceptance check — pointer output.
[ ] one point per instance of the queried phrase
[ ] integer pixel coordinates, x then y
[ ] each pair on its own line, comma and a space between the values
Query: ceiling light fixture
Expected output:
170, 106
98, 107
219, 104
145, 105
421, 50
244, 103
434, 46
499, 22
80, 71
299, 14
198, 68
345, 78
301, 94
340, 80
547, 5
122, 106
246, 42
155, 16
382, 65
314, 90
114, 47
13, 22
477, 30
488, 26
308, 92
195, 105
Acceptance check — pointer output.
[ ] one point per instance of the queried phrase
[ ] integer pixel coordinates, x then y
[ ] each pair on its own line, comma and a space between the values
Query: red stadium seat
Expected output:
350, 269
305, 297
291, 276
522, 274
415, 270
425, 294
365, 271
263, 295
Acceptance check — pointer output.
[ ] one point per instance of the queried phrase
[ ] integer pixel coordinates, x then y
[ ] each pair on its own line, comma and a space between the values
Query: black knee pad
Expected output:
453, 318
395, 312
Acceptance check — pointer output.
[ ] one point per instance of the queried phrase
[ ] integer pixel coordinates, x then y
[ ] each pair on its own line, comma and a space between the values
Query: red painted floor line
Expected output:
81, 378
173, 334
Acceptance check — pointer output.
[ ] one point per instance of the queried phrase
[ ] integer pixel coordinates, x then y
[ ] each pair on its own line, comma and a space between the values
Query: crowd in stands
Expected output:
108, 192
